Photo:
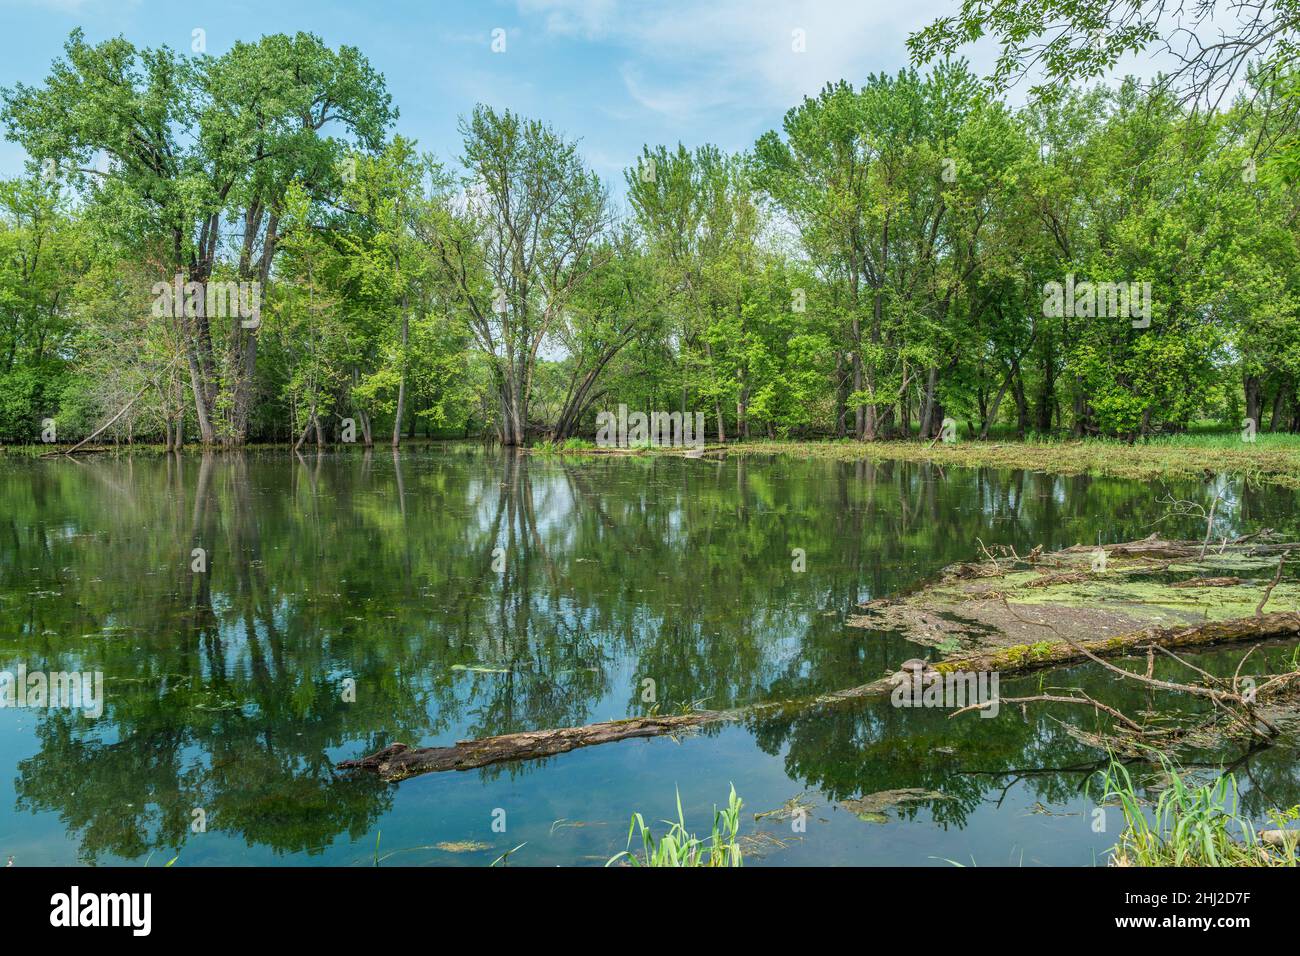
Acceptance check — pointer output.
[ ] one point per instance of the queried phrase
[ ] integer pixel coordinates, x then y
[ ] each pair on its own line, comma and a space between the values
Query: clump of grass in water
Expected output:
560, 447
678, 847
1189, 826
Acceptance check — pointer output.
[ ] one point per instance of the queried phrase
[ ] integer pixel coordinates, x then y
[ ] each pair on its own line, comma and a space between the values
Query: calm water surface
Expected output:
226, 691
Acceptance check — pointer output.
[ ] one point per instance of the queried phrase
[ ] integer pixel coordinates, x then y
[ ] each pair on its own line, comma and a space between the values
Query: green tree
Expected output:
520, 247
194, 146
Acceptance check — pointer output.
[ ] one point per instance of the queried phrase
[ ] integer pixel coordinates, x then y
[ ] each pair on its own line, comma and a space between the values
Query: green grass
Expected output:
568, 446
680, 847
1205, 449
1189, 825
1271, 458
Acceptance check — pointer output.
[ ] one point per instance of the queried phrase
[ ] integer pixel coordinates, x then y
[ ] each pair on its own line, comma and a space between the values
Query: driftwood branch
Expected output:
1080, 698
104, 427
399, 761
1268, 591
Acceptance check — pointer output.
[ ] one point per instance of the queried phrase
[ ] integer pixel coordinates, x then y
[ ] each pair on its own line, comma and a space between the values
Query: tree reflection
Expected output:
226, 689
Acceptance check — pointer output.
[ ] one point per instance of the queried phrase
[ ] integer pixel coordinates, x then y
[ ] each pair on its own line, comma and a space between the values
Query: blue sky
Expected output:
613, 74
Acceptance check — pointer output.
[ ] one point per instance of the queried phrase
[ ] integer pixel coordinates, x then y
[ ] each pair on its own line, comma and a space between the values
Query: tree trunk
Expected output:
992, 415
931, 410
1254, 398
1279, 407
401, 382
1046, 396
841, 396
367, 436
1022, 403
306, 429
206, 433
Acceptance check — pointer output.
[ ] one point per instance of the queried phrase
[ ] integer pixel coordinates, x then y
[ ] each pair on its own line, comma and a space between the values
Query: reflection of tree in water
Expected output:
137, 794
224, 688
868, 746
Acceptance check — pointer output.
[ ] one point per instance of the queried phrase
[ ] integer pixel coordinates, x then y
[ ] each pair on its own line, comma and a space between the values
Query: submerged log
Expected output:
1076, 595
398, 761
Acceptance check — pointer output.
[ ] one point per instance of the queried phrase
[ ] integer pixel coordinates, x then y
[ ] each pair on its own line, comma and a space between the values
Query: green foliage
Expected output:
28, 394
681, 848
1189, 825
872, 268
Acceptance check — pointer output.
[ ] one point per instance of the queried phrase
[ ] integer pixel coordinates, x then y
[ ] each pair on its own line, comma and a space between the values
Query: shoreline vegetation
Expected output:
1272, 458
1004, 273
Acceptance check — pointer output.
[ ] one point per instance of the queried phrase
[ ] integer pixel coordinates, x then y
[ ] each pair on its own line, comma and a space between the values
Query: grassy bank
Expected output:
1272, 458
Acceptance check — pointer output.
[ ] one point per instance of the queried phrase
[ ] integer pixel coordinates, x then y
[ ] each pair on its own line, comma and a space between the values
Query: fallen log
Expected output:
101, 429
1281, 838
1155, 548
398, 761
1026, 657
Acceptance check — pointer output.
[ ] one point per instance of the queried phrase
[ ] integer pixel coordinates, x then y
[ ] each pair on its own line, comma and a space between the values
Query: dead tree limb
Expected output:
1082, 698
104, 427
398, 761
1268, 591
1031, 657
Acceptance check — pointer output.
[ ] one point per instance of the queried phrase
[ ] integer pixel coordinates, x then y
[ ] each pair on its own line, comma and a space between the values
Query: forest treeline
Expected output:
878, 263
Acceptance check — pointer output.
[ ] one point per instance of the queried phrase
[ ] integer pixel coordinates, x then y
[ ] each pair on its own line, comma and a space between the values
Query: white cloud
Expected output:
587, 18
673, 99
684, 58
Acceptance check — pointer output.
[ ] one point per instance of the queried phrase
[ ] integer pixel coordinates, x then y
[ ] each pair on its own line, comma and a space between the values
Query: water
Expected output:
227, 691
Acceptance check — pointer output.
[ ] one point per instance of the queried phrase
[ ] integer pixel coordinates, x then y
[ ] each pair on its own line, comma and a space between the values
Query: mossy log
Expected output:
397, 762
1023, 657
1070, 595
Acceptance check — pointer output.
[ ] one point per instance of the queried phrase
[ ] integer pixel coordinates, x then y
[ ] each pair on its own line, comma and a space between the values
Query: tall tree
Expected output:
531, 217
193, 145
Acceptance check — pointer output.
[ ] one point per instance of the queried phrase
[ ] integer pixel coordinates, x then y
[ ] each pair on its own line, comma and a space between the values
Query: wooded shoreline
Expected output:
1272, 461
